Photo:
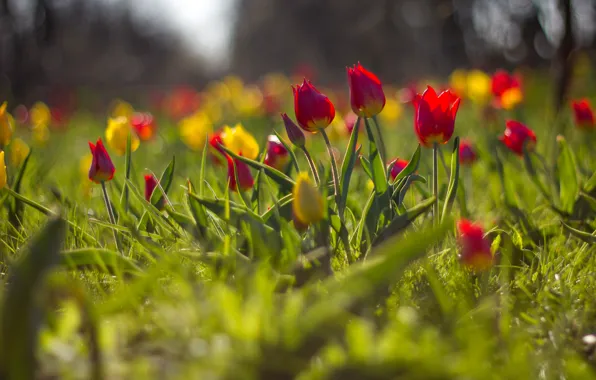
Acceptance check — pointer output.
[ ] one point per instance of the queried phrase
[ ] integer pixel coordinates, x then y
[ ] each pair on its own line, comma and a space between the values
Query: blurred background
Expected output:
126, 47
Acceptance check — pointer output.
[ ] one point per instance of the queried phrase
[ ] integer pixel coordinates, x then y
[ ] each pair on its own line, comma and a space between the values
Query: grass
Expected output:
223, 287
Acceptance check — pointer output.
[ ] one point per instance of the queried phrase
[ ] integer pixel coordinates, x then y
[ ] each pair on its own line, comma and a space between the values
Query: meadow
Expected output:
252, 231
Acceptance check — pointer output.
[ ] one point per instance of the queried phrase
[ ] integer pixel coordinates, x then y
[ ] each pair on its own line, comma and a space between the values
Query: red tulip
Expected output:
144, 125
102, 169
294, 133
277, 155
475, 248
397, 166
583, 114
366, 92
215, 148
503, 81
150, 185
313, 110
467, 153
244, 175
516, 135
435, 116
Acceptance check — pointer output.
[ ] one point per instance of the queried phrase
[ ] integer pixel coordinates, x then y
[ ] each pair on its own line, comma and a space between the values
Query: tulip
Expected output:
307, 205
391, 112
19, 150
144, 125
6, 125
475, 248
194, 129
101, 169
150, 184
467, 153
457, 81
40, 114
2, 171
293, 131
117, 135
397, 166
277, 155
516, 135
246, 181
366, 92
435, 116
238, 140
478, 86
313, 110
121, 108
507, 90
583, 114
215, 149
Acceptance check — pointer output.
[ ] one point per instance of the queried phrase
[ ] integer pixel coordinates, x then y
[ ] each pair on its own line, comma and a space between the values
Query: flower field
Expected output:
284, 229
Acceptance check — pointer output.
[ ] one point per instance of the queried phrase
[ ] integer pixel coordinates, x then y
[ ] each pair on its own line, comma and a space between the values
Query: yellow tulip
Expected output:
122, 109
478, 85
41, 134
194, 130
238, 140
2, 171
235, 85
40, 114
391, 112
19, 150
6, 125
308, 205
117, 134
457, 81
248, 101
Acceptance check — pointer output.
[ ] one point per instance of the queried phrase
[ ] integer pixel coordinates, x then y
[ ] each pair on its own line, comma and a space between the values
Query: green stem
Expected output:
436, 182
380, 142
106, 199
336, 188
313, 167
127, 165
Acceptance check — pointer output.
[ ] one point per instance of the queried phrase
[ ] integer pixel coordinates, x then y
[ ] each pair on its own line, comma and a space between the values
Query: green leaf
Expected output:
16, 211
127, 166
530, 168
19, 324
590, 184
411, 167
569, 185
104, 260
583, 236
223, 208
165, 182
365, 163
453, 181
377, 166
347, 166
290, 150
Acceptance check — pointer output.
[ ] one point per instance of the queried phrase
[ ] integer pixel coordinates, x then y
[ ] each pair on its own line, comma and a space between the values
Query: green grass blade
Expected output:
568, 181
377, 166
165, 183
103, 260
347, 166
453, 181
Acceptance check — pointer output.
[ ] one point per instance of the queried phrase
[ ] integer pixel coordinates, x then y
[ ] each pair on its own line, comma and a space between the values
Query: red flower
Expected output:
397, 166
244, 175
313, 110
506, 89
583, 114
144, 125
516, 135
215, 148
475, 248
294, 133
150, 185
102, 169
467, 153
366, 92
435, 116
277, 155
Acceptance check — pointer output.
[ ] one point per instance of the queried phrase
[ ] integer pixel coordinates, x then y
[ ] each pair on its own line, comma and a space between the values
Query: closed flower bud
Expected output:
277, 155
435, 116
396, 167
117, 135
313, 110
475, 248
308, 205
2, 171
19, 150
245, 178
516, 135
6, 125
293, 131
467, 153
366, 92
583, 114
101, 169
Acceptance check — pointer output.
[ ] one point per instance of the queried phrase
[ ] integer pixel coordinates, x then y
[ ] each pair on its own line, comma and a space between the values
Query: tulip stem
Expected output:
381, 142
313, 167
436, 182
106, 199
340, 207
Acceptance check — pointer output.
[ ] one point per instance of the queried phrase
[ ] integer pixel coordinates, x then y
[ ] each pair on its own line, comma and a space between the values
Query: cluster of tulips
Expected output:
434, 125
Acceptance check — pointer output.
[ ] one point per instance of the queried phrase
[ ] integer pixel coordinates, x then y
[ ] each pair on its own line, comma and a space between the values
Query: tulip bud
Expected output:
308, 205
366, 92
6, 125
516, 135
583, 114
2, 171
467, 154
435, 116
294, 133
277, 155
117, 135
101, 168
475, 248
19, 150
313, 110
245, 178
397, 166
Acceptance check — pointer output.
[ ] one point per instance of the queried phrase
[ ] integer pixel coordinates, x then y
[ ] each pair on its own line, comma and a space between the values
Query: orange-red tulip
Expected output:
516, 135
475, 248
435, 116
366, 92
313, 110
583, 114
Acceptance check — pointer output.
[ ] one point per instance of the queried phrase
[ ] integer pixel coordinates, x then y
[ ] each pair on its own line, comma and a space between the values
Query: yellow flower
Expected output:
511, 98
85, 164
2, 171
19, 150
41, 134
308, 205
248, 101
40, 114
478, 87
117, 134
337, 128
6, 125
235, 85
122, 109
238, 140
276, 83
391, 112
194, 130
457, 81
